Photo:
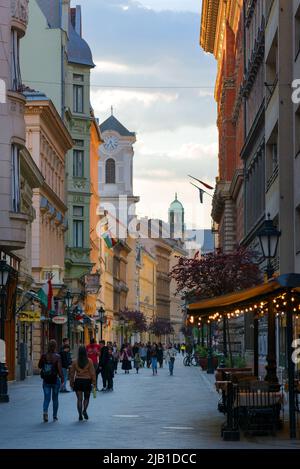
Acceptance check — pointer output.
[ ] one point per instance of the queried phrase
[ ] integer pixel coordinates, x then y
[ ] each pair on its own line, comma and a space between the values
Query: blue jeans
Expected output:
48, 389
65, 373
171, 366
154, 363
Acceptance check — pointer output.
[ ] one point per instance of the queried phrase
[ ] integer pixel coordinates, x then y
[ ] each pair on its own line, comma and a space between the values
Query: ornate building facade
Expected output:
222, 35
48, 141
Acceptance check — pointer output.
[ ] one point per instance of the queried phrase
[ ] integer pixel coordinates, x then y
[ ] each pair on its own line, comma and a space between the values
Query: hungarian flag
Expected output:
45, 295
109, 239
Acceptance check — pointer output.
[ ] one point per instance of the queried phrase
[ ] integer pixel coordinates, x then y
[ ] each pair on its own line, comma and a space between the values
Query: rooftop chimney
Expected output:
76, 19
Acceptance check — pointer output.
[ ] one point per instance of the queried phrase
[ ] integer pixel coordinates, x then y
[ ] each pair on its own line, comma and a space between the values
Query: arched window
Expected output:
110, 171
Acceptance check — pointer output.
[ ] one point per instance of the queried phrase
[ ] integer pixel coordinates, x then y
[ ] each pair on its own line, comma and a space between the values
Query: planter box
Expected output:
203, 363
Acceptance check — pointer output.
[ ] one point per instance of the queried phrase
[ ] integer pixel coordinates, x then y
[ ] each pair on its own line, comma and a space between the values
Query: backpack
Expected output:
49, 372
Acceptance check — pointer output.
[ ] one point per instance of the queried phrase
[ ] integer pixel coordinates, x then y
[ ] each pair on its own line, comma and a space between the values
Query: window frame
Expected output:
16, 80
15, 178
110, 171
76, 153
78, 238
78, 104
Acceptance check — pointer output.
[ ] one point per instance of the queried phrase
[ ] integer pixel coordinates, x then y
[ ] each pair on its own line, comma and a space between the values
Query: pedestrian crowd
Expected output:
93, 360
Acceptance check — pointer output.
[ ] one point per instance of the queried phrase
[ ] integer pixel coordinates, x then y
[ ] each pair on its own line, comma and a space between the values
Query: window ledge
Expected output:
18, 216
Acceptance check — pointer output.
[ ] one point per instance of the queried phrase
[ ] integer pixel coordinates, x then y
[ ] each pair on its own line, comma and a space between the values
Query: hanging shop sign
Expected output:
30, 316
60, 319
92, 283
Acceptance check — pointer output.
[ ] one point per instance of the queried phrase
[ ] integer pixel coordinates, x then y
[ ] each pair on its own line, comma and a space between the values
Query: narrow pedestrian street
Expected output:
144, 411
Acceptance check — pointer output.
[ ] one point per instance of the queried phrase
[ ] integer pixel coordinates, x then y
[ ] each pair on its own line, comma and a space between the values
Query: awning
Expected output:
244, 297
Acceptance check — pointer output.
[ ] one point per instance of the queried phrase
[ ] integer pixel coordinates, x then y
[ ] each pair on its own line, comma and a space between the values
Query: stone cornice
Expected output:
50, 120
222, 192
30, 169
236, 183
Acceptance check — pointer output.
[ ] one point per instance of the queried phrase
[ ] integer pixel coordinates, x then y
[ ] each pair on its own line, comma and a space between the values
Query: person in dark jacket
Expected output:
109, 370
160, 355
148, 355
102, 365
51, 371
66, 362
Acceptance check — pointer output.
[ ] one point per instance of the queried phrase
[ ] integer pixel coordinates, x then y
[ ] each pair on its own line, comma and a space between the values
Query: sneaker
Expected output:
84, 413
55, 419
45, 417
80, 417
103, 390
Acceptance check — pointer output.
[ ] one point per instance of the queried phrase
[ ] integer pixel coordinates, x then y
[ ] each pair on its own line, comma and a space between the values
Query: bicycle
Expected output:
191, 360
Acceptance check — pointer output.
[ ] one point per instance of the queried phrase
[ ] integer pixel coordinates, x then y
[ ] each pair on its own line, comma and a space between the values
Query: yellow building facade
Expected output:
147, 286
93, 281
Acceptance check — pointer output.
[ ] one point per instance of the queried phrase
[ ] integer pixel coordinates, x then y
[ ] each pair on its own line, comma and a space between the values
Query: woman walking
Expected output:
51, 370
138, 362
82, 377
126, 362
154, 353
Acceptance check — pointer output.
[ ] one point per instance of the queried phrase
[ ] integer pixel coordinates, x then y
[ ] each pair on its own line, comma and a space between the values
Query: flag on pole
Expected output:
107, 236
45, 295
203, 183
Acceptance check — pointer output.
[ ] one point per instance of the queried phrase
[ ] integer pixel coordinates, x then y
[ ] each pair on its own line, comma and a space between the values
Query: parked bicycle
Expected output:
191, 360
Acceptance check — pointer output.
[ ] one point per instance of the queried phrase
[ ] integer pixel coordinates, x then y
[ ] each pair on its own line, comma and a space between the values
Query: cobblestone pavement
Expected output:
144, 411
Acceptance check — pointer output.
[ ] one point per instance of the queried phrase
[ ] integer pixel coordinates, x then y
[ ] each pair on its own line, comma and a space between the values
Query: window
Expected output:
77, 77
78, 161
78, 143
78, 98
110, 171
15, 173
77, 211
16, 81
78, 233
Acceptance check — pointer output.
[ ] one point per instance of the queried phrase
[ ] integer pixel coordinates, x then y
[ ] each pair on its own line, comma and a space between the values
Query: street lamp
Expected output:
68, 302
269, 238
4, 275
101, 312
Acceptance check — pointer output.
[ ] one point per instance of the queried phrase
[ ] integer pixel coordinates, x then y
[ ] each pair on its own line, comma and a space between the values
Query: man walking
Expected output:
66, 362
170, 358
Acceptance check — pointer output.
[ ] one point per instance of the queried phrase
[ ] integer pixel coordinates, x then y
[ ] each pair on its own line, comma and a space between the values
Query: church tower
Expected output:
176, 219
116, 170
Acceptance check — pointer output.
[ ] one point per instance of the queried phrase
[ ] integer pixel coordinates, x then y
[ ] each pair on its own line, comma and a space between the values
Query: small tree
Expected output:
161, 327
136, 320
216, 273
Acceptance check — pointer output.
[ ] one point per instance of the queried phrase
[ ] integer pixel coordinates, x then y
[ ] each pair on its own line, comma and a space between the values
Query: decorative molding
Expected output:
19, 10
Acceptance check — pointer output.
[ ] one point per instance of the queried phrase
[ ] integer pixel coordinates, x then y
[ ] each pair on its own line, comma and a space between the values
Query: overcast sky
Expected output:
150, 49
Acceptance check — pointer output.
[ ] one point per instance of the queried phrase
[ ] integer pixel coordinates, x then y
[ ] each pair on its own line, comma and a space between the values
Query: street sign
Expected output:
29, 316
60, 319
92, 283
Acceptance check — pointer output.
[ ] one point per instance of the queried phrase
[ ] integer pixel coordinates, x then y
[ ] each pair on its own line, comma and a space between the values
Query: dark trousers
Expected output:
104, 377
110, 379
116, 361
97, 373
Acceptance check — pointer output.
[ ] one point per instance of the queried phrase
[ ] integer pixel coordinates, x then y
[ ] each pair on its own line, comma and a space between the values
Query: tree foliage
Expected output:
136, 320
161, 327
216, 273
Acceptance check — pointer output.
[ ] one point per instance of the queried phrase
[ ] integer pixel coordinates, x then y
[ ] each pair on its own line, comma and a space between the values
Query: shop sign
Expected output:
60, 319
92, 283
30, 316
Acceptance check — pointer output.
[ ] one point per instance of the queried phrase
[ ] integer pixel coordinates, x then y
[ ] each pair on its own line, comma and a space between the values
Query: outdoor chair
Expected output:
258, 411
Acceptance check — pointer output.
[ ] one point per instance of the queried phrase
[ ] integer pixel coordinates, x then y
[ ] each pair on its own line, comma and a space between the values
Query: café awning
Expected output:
242, 298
